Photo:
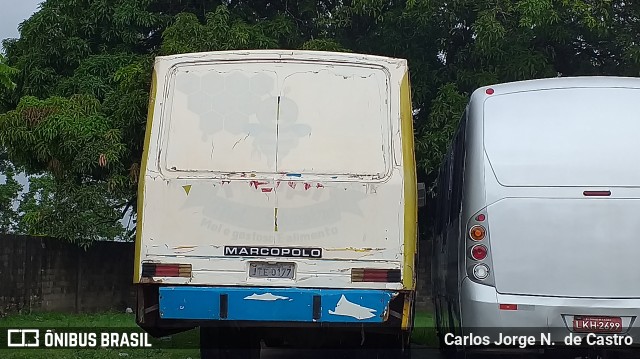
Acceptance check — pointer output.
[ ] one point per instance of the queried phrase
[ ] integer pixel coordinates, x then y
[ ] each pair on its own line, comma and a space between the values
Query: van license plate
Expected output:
582, 324
271, 270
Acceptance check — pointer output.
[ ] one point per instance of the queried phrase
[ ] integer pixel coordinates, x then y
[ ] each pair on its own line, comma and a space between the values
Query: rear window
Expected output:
564, 137
277, 117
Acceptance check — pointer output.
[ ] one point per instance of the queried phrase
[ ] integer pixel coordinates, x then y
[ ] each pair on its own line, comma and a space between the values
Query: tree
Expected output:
6, 72
78, 110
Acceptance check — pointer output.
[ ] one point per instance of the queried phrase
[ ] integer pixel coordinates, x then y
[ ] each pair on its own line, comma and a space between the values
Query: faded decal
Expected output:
187, 189
265, 297
349, 309
220, 206
228, 101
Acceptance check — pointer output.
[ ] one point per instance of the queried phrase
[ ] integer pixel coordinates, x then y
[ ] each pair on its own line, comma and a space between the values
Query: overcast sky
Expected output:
12, 13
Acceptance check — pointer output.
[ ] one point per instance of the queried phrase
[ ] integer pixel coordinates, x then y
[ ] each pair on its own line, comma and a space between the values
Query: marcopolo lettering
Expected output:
273, 252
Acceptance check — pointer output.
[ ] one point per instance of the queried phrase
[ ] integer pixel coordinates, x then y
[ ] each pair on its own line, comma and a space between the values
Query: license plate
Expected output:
582, 324
271, 270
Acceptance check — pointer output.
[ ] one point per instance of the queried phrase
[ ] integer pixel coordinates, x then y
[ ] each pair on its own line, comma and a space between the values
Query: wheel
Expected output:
228, 343
387, 346
274, 342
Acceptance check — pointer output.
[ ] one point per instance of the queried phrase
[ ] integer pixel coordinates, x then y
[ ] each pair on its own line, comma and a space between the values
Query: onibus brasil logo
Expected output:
50, 338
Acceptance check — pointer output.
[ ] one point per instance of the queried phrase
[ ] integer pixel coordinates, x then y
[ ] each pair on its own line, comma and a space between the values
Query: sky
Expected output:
13, 13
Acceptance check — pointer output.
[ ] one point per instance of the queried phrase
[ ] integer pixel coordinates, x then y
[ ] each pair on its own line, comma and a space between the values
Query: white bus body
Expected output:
277, 187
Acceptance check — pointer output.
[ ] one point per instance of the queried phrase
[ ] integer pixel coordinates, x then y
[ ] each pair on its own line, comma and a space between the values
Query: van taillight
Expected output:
375, 275
478, 252
477, 246
481, 271
477, 232
166, 270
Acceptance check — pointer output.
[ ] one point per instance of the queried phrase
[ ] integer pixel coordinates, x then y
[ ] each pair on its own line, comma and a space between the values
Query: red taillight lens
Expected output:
479, 252
375, 275
166, 270
508, 307
480, 218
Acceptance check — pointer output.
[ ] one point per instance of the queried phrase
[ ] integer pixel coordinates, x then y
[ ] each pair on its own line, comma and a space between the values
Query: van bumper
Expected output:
538, 316
274, 304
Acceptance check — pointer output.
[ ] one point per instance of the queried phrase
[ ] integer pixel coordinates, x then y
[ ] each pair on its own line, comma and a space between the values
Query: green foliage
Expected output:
6, 72
77, 111
222, 31
9, 191
80, 214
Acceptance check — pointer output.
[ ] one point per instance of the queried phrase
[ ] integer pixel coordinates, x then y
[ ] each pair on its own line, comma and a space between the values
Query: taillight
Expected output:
477, 232
478, 252
481, 271
477, 245
166, 270
375, 275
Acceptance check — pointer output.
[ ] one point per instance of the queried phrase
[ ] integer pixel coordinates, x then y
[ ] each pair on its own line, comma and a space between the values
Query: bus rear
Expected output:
279, 189
549, 216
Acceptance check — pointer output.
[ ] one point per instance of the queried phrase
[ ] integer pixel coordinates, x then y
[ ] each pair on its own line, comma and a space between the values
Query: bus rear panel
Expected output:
278, 188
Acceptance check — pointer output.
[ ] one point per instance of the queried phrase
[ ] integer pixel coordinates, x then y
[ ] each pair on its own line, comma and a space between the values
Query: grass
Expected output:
172, 347
424, 332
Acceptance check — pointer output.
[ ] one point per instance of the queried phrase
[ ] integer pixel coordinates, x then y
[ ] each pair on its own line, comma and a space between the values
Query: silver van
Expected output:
538, 229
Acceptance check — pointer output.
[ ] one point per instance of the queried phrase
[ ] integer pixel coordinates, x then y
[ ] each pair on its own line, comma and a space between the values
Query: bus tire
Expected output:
228, 343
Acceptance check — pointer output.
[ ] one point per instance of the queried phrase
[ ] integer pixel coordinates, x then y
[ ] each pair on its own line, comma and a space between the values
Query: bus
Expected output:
538, 202
278, 201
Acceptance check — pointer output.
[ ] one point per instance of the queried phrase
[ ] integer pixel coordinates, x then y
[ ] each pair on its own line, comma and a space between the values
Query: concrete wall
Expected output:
46, 274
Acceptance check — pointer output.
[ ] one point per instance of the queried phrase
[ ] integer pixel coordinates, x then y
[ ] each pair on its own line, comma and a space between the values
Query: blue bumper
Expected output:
275, 304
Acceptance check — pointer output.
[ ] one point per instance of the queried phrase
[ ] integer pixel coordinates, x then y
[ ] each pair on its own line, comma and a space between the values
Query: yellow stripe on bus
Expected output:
410, 184
143, 170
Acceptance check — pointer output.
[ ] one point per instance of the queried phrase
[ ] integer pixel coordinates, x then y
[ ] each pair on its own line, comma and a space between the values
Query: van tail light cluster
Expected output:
166, 270
375, 275
478, 248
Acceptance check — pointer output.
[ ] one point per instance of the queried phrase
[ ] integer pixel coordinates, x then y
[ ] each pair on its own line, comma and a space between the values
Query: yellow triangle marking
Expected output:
187, 189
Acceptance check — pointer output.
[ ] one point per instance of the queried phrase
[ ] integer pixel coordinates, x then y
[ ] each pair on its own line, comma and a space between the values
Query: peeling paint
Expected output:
352, 249
266, 297
275, 219
349, 309
257, 184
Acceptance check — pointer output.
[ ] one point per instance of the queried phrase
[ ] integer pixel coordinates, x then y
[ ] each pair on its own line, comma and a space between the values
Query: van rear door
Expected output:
550, 149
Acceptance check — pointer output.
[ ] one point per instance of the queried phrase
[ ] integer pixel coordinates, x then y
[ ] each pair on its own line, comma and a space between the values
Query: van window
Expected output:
564, 137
